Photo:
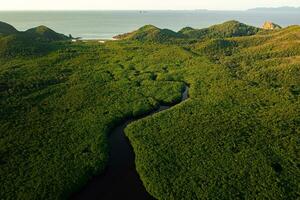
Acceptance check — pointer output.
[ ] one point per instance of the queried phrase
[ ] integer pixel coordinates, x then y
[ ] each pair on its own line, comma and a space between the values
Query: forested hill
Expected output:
38, 40
7, 29
236, 137
150, 33
226, 29
41, 32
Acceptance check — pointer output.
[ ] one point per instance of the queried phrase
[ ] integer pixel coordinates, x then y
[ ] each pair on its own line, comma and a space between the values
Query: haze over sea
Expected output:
106, 24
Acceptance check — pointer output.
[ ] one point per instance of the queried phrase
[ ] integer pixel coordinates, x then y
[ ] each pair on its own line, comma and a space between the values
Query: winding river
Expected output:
120, 180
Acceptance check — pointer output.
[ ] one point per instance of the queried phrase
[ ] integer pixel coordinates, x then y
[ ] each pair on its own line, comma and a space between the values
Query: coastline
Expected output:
99, 40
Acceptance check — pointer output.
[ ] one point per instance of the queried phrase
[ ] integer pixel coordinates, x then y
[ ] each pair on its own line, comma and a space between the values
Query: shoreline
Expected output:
99, 40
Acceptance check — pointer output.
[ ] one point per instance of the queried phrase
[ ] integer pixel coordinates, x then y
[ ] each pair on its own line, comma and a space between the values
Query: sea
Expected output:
106, 24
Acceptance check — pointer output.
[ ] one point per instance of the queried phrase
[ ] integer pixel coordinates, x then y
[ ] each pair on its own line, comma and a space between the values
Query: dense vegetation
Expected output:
7, 29
236, 137
45, 33
150, 33
33, 42
227, 29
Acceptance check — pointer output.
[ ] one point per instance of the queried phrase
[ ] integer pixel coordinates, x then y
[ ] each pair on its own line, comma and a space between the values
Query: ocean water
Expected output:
106, 24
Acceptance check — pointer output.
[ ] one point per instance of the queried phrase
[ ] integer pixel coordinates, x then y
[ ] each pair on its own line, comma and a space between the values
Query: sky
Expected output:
142, 4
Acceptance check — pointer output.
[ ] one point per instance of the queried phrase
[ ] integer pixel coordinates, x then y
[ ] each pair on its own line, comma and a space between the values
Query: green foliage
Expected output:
57, 109
7, 29
46, 34
216, 47
236, 137
227, 29
23, 45
33, 42
150, 33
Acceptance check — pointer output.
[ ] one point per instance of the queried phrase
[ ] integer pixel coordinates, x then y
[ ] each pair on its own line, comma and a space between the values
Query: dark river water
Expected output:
120, 180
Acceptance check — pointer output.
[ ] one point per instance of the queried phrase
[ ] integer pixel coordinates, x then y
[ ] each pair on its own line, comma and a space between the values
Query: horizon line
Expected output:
197, 9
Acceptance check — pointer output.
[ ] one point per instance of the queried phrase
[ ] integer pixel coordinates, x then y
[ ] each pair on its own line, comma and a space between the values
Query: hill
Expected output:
150, 33
35, 41
153, 34
227, 29
45, 33
283, 40
7, 29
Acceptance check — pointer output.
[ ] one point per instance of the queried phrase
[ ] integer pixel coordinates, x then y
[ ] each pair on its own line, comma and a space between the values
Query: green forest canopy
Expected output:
236, 137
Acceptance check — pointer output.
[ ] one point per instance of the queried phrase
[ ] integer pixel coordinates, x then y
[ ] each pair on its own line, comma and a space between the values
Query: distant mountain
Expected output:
7, 29
227, 29
150, 33
278, 9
